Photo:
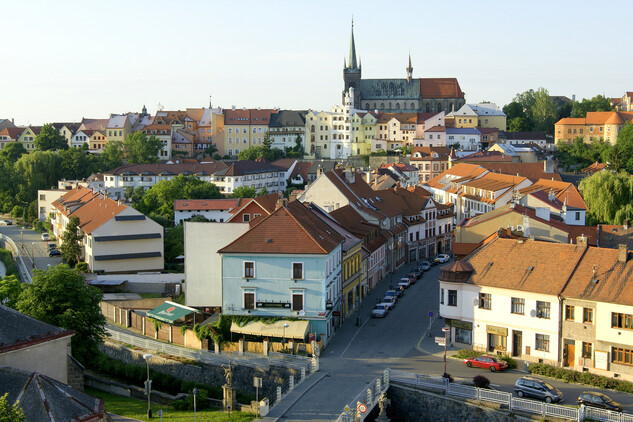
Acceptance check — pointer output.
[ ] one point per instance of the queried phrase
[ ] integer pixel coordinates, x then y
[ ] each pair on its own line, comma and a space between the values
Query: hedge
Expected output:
586, 378
9, 264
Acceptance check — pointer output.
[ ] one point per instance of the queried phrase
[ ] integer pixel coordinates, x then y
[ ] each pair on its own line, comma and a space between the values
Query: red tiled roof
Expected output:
440, 88
92, 209
292, 229
565, 192
532, 171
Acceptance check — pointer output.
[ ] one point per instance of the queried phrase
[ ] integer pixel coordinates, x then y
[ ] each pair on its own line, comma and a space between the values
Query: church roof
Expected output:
440, 88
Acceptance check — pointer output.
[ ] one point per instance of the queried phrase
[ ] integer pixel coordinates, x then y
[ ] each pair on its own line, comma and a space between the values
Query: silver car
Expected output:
379, 311
390, 301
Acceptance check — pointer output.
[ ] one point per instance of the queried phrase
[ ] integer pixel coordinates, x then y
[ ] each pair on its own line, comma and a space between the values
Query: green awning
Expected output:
170, 312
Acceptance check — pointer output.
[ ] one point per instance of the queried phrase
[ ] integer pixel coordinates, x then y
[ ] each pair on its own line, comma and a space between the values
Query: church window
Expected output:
390, 104
324, 146
439, 108
366, 105
412, 105
397, 106
428, 107
382, 105
374, 105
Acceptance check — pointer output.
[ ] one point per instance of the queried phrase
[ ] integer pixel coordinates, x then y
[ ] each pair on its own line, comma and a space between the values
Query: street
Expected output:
358, 355
32, 246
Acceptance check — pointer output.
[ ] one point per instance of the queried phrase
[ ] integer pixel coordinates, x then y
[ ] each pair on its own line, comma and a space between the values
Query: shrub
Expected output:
448, 377
586, 378
512, 364
467, 353
82, 267
481, 381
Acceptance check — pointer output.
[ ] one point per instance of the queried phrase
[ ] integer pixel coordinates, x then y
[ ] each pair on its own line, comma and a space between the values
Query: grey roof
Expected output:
325, 165
19, 330
167, 169
288, 118
44, 399
117, 121
390, 88
243, 167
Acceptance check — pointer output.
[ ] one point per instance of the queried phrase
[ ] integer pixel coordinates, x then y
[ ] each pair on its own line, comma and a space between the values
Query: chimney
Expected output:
350, 174
581, 240
623, 253
548, 166
281, 202
368, 177
319, 171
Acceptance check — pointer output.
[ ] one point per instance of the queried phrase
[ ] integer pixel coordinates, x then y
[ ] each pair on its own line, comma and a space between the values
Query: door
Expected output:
517, 343
570, 348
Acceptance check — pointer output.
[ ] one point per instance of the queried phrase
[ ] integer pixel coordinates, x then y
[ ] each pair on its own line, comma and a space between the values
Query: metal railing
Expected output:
512, 403
368, 398
250, 360
24, 271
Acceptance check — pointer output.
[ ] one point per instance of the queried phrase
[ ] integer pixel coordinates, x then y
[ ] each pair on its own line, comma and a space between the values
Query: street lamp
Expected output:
148, 385
32, 256
445, 330
286, 325
22, 237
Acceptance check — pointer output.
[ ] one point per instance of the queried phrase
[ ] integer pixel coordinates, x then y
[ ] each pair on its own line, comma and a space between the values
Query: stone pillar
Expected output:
241, 346
265, 347
291, 383
315, 363
291, 343
216, 348
278, 394
228, 398
143, 327
171, 333
303, 374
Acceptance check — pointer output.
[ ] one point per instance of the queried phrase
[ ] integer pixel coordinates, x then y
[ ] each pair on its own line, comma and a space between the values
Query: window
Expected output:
42, 197
586, 350
249, 269
621, 320
569, 312
587, 315
542, 342
297, 301
246, 218
452, 298
518, 306
620, 355
441, 296
297, 270
542, 309
577, 215
249, 300
485, 301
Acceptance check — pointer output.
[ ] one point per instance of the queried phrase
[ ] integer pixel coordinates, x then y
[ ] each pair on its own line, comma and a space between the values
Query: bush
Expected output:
481, 381
82, 267
512, 364
9, 265
467, 353
448, 377
587, 378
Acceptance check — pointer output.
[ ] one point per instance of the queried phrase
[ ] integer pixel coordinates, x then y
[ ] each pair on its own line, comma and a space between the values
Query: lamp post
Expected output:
148, 385
32, 256
445, 330
195, 391
286, 325
22, 237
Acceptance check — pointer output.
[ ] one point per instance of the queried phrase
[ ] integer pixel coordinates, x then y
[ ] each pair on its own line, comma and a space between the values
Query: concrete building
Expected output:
599, 125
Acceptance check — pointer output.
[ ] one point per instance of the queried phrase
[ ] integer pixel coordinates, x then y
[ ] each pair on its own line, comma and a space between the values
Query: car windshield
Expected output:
496, 359
548, 386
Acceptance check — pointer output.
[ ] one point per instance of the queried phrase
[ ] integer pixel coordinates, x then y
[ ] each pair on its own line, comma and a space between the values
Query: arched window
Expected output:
412, 106
382, 105
439, 107
367, 106
428, 108
312, 128
389, 104
397, 106
374, 106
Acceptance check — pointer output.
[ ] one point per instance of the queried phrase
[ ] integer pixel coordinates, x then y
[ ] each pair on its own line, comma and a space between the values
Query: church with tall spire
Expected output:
406, 95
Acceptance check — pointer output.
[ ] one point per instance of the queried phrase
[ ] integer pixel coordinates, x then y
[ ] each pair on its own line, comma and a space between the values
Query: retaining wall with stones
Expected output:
408, 404
242, 378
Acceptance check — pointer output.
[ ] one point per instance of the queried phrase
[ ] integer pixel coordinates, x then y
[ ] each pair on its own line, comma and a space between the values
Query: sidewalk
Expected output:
279, 409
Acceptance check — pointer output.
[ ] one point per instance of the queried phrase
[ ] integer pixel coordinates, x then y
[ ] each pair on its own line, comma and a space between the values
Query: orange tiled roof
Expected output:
532, 171
564, 192
440, 88
92, 209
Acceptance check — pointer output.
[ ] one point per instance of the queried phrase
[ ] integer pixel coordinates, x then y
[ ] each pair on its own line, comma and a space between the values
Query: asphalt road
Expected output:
358, 355
31, 244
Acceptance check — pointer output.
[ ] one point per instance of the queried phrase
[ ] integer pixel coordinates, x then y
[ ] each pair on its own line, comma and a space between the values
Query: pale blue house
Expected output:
288, 265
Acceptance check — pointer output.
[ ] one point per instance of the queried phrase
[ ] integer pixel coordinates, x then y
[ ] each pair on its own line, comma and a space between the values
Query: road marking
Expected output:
426, 333
354, 336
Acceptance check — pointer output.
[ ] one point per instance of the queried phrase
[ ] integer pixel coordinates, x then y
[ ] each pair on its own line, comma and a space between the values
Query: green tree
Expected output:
10, 288
210, 150
244, 192
174, 242
297, 151
10, 413
543, 112
140, 148
49, 139
112, 156
267, 142
624, 146
61, 297
263, 191
71, 250
514, 110
75, 164
12, 151
597, 103
34, 171
519, 124
609, 197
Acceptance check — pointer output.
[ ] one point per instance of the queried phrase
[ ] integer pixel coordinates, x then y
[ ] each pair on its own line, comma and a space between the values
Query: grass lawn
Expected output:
137, 409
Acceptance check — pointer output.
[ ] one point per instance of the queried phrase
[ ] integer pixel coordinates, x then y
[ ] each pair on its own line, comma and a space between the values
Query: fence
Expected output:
22, 268
505, 399
361, 406
304, 364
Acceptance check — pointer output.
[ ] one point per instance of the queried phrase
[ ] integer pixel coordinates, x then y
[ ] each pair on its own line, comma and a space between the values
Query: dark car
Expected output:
54, 252
538, 389
51, 245
486, 361
425, 266
595, 399
415, 273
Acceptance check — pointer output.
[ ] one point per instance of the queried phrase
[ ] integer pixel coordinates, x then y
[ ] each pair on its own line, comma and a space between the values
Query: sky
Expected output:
65, 60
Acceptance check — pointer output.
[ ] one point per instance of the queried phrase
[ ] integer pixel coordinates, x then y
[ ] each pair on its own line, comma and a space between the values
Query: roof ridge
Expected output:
302, 227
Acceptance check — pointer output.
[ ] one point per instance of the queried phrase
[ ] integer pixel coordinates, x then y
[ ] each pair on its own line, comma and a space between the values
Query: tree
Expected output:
244, 192
34, 171
12, 151
297, 151
210, 150
267, 142
514, 110
49, 139
112, 156
10, 413
543, 112
71, 250
597, 103
263, 191
140, 149
624, 146
75, 164
61, 297
519, 124
10, 289
254, 152
609, 197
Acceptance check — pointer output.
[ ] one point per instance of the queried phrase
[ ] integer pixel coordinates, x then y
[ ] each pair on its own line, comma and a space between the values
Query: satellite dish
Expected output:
475, 302
532, 313
302, 312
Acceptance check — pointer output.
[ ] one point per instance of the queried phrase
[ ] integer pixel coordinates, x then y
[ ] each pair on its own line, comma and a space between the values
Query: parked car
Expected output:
405, 282
46, 237
538, 389
395, 292
390, 301
442, 258
425, 265
412, 278
595, 399
51, 245
6, 223
415, 273
54, 252
379, 311
486, 361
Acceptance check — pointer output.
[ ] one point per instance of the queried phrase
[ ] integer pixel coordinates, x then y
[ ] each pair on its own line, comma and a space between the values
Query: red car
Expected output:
486, 361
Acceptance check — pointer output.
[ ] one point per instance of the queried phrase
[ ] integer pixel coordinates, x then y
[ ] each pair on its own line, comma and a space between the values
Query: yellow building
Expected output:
318, 133
118, 127
598, 125
244, 128
27, 138
465, 117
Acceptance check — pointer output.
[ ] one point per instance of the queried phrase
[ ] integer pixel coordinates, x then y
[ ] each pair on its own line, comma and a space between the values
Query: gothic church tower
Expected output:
352, 72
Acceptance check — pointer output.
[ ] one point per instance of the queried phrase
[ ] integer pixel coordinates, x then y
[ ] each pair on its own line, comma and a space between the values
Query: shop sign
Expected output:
464, 325
500, 331
285, 305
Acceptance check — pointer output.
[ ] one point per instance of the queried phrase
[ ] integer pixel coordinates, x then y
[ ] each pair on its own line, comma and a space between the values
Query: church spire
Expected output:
409, 70
352, 50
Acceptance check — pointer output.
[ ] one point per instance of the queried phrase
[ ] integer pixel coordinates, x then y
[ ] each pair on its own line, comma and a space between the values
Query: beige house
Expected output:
32, 345
27, 137
116, 238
